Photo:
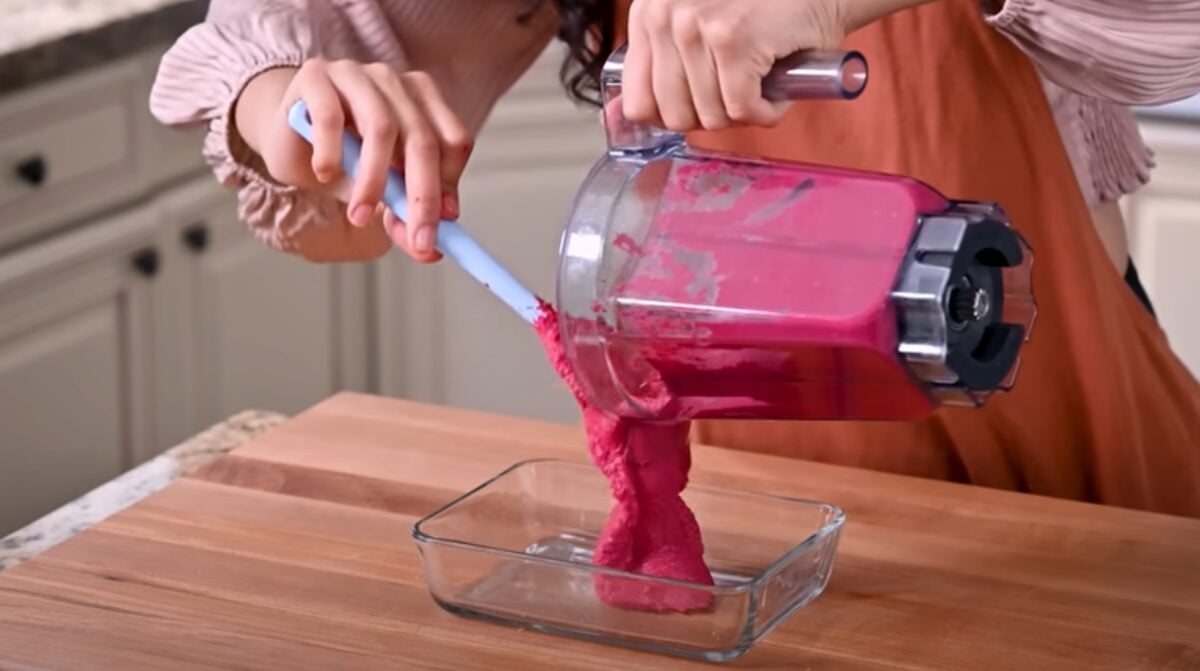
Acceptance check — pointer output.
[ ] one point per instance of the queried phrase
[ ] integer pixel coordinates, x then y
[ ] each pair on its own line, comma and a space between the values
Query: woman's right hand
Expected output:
405, 124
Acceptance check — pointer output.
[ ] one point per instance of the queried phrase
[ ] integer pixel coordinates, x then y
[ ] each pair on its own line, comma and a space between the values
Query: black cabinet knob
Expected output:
196, 237
33, 171
146, 262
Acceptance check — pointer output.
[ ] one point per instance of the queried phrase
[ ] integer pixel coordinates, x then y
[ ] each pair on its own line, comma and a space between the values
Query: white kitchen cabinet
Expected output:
75, 401
1164, 234
443, 338
103, 365
125, 336
75, 146
242, 326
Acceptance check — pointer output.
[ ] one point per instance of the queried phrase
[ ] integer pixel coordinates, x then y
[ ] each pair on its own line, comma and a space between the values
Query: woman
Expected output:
1103, 410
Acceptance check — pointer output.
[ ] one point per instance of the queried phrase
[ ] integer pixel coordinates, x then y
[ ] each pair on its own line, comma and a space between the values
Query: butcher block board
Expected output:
294, 552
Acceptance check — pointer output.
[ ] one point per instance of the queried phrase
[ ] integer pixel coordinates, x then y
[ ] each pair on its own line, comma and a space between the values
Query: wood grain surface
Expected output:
294, 552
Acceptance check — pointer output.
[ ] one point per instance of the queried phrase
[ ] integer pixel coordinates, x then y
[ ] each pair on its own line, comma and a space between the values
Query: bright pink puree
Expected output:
650, 530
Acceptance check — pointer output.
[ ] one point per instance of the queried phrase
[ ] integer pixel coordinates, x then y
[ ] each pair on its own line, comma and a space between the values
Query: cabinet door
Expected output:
446, 339
75, 328
1164, 232
256, 328
1165, 239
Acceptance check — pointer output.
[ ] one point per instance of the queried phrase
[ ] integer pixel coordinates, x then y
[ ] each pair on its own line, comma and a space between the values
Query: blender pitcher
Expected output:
695, 284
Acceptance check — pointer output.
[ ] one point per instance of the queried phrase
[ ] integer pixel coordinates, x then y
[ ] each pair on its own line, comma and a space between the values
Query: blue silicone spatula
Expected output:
453, 241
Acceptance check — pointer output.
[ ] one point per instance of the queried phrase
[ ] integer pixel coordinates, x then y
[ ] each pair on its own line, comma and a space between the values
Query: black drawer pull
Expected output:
33, 171
146, 262
196, 237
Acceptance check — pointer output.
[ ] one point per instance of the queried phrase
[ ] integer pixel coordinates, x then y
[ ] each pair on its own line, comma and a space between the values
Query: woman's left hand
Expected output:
694, 64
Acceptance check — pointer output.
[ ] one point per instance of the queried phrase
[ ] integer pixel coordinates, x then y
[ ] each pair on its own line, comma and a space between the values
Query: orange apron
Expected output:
1102, 410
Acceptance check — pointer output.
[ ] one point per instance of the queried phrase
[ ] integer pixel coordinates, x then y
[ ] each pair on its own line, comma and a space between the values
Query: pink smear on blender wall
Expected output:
763, 291
649, 530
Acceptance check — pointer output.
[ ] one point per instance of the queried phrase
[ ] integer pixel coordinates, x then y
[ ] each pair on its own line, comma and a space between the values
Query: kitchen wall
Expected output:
136, 310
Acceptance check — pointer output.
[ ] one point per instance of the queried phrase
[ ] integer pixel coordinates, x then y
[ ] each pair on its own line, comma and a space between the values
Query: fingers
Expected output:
668, 78
421, 160
701, 71
741, 83
637, 90
694, 64
423, 181
405, 124
397, 232
455, 139
741, 89
377, 125
328, 120
435, 148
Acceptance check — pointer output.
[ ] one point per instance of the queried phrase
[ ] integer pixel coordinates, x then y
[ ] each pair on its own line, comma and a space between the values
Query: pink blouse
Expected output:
1097, 57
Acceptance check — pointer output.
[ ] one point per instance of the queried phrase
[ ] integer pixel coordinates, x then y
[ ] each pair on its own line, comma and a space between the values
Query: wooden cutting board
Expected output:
294, 553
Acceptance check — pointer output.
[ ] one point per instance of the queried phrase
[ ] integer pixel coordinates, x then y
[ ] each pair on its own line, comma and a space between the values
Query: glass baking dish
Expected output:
517, 550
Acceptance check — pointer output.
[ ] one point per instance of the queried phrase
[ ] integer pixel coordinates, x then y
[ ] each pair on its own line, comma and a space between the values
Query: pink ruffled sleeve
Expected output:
1129, 52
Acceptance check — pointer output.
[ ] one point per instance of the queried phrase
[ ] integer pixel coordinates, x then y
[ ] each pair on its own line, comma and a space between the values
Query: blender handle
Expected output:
817, 75
804, 75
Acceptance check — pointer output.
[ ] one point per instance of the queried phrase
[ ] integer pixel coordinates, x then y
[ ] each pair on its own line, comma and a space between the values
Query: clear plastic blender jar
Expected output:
700, 285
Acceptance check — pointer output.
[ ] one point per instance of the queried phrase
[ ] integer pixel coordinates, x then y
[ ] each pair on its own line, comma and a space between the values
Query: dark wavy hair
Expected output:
588, 29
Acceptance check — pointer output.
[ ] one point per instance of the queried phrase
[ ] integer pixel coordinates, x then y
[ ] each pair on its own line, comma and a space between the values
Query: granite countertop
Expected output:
45, 39
133, 486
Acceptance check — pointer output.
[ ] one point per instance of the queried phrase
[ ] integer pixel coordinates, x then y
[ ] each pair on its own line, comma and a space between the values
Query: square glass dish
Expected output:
517, 550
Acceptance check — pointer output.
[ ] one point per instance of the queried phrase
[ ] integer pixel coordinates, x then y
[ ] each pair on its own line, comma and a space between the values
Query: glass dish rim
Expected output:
837, 519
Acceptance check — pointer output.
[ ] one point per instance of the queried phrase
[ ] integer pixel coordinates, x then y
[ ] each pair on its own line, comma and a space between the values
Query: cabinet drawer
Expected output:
48, 161
65, 151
